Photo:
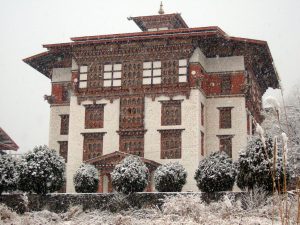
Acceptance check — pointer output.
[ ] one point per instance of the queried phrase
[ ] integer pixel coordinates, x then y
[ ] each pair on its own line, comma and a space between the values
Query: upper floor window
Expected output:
112, 75
171, 112
64, 124
94, 115
226, 84
152, 72
92, 145
83, 70
225, 117
226, 144
182, 70
63, 150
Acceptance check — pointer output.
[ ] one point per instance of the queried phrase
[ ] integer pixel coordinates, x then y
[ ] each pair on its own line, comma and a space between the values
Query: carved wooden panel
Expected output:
64, 124
132, 143
171, 112
95, 75
225, 117
132, 112
94, 116
170, 72
225, 84
226, 144
132, 75
170, 144
92, 145
63, 150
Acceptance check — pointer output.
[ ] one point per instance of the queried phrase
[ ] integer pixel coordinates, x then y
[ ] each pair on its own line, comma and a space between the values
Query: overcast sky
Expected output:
27, 24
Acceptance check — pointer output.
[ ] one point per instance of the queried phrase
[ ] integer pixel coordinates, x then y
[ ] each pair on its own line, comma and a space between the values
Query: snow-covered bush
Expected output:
8, 174
255, 166
170, 177
41, 171
215, 173
86, 179
131, 175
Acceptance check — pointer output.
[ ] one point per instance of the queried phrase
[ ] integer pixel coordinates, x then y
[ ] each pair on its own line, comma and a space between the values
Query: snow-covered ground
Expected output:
185, 210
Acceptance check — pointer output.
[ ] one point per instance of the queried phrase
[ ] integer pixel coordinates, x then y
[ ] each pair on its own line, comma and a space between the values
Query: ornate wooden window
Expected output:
202, 114
64, 124
92, 145
132, 112
225, 84
65, 93
152, 72
170, 144
94, 116
171, 112
63, 150
182, 70
131, 77
83, 71
225, 117
202, 143
226, 144
112, 75
132, 142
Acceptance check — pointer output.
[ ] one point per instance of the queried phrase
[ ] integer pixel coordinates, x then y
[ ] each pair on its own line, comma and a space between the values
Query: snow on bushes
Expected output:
8, 174
131, 175
215, 173
86, 179
170, 177
41, 171
255, 166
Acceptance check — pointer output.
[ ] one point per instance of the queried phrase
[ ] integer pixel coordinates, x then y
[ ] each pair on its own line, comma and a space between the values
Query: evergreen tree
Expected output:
9, 175
86, 179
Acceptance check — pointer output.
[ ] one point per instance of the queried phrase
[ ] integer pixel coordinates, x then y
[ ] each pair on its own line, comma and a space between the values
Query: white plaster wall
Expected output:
76, 128
238, 123
190, 112
61, 74
54, 127
218, 64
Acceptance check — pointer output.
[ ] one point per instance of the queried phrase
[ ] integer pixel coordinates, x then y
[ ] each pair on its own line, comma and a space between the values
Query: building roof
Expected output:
6, 143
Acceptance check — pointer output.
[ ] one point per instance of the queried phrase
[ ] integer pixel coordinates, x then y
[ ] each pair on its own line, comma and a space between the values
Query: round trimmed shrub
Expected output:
86, 179
131, 175
41, 171
9, 175
215, 173
170, 177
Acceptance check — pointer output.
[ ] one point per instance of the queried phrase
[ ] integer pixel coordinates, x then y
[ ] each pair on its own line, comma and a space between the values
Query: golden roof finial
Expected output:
161, 10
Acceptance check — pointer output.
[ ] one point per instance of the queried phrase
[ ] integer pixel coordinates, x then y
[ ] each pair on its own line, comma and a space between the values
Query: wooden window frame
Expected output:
182, 66
152, 70
89, 111
225, 117
63, 150
226, 84
82, 73
113, 71
222, 144
172, 137
171, 106
64, 124
92, 145
202, 114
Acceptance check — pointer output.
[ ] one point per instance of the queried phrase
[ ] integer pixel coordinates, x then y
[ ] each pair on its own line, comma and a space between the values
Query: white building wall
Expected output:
76, 128
238, 123
190, 112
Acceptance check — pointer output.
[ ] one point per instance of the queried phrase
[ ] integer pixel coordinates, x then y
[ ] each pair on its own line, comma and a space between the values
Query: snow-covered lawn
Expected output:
185, 210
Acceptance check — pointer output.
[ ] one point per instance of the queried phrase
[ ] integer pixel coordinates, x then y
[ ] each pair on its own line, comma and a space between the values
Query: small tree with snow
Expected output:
8, 174
131, 175
215, 173
255, 166
170, 177
86, 179
41, 171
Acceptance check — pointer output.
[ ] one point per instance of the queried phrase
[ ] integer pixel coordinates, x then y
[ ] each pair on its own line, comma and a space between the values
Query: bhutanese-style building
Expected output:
168, 93
7, 144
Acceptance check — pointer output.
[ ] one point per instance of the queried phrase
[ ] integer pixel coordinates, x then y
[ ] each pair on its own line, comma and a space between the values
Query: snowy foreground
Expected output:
185, 210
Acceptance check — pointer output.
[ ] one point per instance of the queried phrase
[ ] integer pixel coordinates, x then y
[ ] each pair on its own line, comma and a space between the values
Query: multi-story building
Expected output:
168, 93
7, 145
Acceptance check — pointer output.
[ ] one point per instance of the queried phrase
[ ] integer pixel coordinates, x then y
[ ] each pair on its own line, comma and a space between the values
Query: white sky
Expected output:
27, 24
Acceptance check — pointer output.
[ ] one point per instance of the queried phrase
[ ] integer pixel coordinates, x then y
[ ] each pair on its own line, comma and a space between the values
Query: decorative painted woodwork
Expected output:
225, 117
226, 144
170, 144
94, 116
132, 142
225, 84
64, 124
131, 75
171, 112
92, 145
63, 150
132, 112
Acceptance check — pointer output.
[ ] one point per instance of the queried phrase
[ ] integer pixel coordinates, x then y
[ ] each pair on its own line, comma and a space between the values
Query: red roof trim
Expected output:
36, 56
8, 146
